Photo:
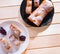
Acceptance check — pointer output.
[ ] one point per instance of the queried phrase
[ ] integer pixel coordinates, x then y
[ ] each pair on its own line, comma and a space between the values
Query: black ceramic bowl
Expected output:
47, 19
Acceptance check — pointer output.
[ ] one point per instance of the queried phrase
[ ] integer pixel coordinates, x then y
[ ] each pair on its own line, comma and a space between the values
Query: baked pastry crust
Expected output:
38, 15
14, 41
7, 47
15, 30
28, 7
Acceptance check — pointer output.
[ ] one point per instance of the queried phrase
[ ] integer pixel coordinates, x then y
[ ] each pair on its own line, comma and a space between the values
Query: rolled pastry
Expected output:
6, 46
38, 15
36, 3
29, 7
47, 5
14, 41
15, 30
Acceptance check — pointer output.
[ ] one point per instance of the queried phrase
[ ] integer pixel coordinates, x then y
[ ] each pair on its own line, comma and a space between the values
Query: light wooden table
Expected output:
41, 41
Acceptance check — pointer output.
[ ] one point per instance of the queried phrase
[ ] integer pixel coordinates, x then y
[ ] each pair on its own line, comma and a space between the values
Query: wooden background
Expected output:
41, 41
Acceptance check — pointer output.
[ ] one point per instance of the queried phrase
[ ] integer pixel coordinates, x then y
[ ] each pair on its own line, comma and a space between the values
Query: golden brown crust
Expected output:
28, 7
37, 13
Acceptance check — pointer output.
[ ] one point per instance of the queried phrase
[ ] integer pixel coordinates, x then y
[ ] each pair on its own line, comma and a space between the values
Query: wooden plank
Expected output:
55, 0
55, 50
57, 7
56, 18
43, 31
15, 2
44, 42
34, 31
52, 29
9, 12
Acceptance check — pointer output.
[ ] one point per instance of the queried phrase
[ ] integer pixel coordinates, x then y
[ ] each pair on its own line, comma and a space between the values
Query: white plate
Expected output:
23, 46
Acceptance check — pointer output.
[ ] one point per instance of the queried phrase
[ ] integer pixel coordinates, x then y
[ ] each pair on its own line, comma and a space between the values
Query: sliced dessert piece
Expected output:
6, 46
47, 5
38, 15
28, 7
15, 30
14, 41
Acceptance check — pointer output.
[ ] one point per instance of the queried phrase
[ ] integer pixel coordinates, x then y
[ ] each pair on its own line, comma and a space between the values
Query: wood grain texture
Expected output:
56, 1
44, 42
56, 18
52, 29
10, 2
9, 12
54, 50
57, 7
15, 2
46, 30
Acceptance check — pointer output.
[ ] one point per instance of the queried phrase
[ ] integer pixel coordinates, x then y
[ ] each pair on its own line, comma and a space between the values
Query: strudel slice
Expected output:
14, 41
38, 15
47, 5
28, 7
6, 46
15, 30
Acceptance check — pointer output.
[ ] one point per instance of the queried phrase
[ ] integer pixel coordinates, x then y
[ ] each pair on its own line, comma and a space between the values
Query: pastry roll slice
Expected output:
29, 7
38, 15
15, 30
6, 46
47, 5
36, 3
14, 41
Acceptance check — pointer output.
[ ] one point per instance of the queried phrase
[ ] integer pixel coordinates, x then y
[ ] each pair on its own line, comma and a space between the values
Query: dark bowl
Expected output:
46, 20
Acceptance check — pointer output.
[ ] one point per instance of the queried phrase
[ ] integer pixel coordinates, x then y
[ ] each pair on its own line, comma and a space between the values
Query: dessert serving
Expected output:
38, 15
12, 38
